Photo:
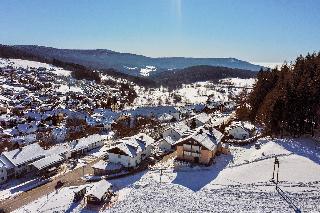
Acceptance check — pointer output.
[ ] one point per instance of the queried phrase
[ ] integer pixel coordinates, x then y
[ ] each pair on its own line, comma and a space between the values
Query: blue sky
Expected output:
252, 30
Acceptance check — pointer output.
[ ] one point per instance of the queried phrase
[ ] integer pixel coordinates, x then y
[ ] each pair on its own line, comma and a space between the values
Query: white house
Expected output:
84, 145
176, 131
17, 161
199, 120
239, 130
132, 150
171, 135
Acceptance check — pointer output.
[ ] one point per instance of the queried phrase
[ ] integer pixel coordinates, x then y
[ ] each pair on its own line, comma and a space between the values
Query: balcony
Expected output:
191, 148
193, 154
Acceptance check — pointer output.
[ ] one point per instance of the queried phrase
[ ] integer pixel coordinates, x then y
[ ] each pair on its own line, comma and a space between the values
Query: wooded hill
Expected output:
172, 79
199, 73
286, 99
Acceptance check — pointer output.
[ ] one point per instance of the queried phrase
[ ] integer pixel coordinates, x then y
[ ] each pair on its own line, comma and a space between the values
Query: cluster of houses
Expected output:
32, 159
194, 140
197, 144
35, 102
38, 100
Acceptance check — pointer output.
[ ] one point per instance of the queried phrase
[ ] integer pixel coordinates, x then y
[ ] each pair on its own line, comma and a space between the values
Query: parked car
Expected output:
257, 145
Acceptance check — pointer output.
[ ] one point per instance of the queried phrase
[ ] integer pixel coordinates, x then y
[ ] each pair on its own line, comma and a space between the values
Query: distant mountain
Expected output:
131, 64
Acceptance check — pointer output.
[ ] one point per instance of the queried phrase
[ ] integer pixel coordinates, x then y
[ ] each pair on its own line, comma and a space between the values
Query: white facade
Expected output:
128, 161
86, 144
131, 151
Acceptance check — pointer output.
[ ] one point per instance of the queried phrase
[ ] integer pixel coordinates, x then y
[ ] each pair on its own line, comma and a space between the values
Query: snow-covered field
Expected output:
239, 82
65, 88
17, 63
196, 93
269, 64
235, 183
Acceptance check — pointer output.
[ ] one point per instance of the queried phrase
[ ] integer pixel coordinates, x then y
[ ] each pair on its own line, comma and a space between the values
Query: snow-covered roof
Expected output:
25, 154
165, 117
4, 162
202, 117
108, 166
58, 149
27, 127
246, 126
104, 116
181, 127
100, 189
47, 161
206, 138
169, 140
155, 111
133, 145
86, 141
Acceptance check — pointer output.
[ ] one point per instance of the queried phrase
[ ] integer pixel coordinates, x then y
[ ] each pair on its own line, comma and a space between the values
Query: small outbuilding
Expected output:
100, 193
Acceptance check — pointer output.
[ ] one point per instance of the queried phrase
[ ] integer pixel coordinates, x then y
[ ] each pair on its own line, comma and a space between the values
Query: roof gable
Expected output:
208, 139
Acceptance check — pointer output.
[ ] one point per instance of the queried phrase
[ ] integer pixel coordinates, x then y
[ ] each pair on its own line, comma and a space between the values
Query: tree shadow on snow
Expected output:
73, 206
304, 147
120, 183
197, 177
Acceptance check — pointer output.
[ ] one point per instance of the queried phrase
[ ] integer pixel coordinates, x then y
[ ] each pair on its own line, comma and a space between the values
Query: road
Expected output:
69, 178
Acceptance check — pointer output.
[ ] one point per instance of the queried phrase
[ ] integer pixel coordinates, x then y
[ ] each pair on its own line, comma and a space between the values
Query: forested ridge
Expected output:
286, 99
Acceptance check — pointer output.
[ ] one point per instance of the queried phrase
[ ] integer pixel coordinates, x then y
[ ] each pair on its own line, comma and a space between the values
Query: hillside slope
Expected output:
199, 73
131, 64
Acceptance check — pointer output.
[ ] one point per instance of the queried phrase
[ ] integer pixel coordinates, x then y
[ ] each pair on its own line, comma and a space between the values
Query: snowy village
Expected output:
66, 148
158, 106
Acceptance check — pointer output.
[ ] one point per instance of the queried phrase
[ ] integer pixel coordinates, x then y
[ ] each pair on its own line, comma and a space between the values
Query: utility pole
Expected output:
276, 166
276, 162
161, 174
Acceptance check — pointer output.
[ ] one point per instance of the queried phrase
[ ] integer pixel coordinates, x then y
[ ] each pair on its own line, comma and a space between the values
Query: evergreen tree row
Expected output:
286, 99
